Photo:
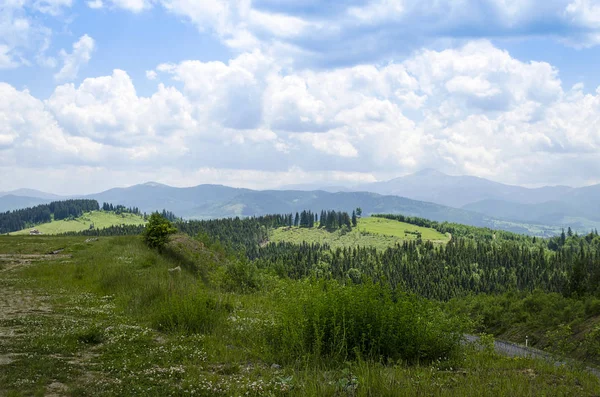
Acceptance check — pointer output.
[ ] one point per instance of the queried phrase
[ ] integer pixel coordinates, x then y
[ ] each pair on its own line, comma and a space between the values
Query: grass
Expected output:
406, 231
92, 322
377, 232
99, 219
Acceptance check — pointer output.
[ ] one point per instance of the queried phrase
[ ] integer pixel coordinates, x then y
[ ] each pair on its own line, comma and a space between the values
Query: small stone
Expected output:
275, 366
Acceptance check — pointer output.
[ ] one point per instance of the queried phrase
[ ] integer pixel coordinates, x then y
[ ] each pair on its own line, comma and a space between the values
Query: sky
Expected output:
262, 93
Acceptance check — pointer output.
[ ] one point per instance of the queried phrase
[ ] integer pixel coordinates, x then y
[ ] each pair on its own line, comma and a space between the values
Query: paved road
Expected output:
514, 350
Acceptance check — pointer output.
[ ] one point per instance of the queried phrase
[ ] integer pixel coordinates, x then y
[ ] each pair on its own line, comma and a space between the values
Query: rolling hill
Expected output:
371, 232
100, 219
549, 205
216, 201
458, 191
33, 193
429, 194
11, 202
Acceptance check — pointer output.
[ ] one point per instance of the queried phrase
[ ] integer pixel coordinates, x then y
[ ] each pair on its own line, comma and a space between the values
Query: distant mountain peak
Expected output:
154, 184
429, 172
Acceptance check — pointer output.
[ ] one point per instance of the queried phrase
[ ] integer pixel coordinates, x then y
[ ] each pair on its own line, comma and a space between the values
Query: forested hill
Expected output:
217, 201
476, 260
11, 221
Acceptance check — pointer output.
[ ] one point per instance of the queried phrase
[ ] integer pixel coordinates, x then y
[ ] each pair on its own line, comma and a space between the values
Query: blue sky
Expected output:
263, 93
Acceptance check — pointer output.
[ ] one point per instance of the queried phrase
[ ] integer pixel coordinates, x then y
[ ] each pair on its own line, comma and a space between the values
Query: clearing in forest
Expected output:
375, 232
99, 219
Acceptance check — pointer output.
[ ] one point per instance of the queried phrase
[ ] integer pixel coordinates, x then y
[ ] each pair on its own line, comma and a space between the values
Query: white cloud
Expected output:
95, 4
472, 109
584, 12
109, 111
151, 75
6, 59
81, 55
279, 25
132, 5
52, 7
30, 135
377, 11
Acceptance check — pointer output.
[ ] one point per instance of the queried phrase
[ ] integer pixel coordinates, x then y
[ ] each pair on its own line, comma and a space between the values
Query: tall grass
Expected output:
328, 321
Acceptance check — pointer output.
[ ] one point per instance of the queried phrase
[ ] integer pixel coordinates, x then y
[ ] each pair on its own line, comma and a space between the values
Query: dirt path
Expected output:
16, 304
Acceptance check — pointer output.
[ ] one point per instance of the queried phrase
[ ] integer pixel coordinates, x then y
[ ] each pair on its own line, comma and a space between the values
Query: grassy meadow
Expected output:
100, 219
377, 232
106, 317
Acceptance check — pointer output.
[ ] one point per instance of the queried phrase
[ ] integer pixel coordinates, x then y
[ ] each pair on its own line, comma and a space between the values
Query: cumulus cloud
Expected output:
81, 55
351, 32
472, 109
30, 135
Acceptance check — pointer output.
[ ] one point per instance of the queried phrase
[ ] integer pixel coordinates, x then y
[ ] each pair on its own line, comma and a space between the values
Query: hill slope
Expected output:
33, 193
370, 232
11, 202
99, 219
217, 201
562, 206
458, 191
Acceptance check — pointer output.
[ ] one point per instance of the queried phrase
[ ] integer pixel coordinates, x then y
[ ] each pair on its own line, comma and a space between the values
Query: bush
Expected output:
158, 230
241, 276
326, 320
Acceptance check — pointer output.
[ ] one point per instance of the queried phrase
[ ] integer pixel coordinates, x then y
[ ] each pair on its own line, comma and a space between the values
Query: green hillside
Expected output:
100, 219
376, 232
120, 319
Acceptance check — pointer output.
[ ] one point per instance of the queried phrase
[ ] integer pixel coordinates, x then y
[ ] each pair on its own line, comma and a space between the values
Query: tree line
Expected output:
458, 229
15, 220
120, 209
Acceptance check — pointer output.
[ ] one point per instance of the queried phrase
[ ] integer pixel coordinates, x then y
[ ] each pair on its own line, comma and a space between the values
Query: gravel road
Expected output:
514, 350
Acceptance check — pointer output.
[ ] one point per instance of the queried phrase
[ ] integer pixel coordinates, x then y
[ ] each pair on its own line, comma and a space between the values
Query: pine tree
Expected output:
354, 220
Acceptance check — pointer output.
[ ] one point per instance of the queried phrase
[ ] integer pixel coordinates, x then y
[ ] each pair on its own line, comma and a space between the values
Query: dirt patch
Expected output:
6, 359
10, 262
17, 303
56, 389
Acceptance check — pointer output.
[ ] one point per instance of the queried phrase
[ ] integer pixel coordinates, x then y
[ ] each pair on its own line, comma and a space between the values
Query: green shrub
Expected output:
241, 276
158, 230
190, 312
326, 320
592, 307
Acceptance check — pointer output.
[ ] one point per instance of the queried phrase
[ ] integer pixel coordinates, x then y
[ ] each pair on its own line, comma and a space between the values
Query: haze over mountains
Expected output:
429, 193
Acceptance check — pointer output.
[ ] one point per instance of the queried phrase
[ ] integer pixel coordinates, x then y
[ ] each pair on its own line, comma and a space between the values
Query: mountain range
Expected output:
428, 193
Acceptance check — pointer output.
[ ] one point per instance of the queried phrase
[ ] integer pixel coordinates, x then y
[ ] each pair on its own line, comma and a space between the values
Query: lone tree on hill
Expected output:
158, 229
